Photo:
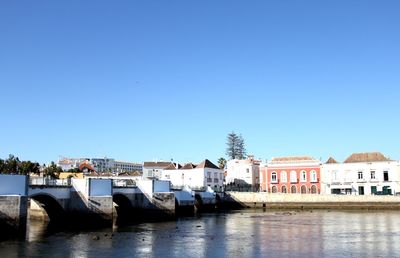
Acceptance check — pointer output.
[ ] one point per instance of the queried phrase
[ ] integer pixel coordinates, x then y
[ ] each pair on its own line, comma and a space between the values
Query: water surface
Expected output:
249, 233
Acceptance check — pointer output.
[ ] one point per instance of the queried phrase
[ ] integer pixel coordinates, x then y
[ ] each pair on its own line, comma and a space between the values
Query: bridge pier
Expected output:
13, 214
13, 204
91, 201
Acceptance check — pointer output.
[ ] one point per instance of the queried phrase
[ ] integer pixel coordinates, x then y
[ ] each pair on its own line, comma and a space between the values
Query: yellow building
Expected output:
64, 175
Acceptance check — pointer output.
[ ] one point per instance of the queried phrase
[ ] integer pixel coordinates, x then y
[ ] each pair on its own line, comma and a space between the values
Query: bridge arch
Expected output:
50, 207
123, 207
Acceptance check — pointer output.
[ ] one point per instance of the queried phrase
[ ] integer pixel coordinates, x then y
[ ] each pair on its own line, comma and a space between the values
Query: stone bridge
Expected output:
96, 200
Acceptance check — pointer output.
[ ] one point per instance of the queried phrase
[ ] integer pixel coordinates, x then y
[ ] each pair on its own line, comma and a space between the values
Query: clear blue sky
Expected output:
140, 80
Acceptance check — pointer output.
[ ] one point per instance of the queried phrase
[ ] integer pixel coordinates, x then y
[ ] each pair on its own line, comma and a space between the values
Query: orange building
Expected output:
291, 175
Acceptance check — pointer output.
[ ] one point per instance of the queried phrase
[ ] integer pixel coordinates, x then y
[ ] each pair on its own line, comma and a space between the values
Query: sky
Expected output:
161, 80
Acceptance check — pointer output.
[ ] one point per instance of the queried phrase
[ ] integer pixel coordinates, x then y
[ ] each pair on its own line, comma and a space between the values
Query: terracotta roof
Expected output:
366, 157
171, 166
207, 164
132, 173
331, 161
296, 158
86, 165
189, 166
160, 164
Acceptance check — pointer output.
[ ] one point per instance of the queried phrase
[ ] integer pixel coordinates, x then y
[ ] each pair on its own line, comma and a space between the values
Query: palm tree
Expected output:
221, 163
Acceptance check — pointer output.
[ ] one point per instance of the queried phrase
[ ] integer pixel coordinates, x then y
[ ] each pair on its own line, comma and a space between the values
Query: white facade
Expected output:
195, 178
243, 171
101, 165
361, 178
153, 170
122, 166
70, 163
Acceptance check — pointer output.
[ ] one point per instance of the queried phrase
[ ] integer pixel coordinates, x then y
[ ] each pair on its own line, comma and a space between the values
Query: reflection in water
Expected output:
247, 233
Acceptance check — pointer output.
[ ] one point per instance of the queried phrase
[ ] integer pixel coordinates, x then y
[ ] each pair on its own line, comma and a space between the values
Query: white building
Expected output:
153, 170
100, 165
361, 174
245, 171
123, 166
70, 163
195, 176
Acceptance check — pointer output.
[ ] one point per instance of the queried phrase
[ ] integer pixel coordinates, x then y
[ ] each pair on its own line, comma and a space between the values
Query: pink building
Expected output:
292, 175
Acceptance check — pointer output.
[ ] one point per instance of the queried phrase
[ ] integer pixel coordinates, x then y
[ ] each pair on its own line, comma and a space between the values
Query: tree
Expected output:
2, 166
241, 150
221, 163
27, 167
74, 170
235, 146
52, 170
13, 165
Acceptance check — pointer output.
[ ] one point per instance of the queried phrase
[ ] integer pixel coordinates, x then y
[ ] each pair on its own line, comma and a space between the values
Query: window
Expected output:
385, 176
247, 170
373, 190
372, 174
303, 176
208, 174
216, 175
361, 190
274, 177
293, 177
314, 189
360, 175
221, 176
303, 189
283, 177
293, 189
314, 176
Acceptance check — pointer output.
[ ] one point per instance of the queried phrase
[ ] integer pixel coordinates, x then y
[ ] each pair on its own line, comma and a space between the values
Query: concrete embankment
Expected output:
311, 201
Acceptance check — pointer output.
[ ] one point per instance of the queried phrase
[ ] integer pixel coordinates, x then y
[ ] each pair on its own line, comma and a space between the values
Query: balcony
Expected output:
276, 181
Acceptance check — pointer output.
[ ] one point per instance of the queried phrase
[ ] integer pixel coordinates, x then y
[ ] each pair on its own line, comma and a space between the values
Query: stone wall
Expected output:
313, 201
13, 211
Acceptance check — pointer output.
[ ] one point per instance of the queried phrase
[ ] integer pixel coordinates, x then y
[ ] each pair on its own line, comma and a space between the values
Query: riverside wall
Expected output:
13, 213
311, 201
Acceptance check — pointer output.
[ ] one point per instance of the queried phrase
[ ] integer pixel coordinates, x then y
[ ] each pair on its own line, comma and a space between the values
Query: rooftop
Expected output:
366, 157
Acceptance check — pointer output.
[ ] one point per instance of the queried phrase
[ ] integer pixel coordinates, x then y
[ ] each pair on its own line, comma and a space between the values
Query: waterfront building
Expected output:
153, 169
291, 175
195, 176
243, 172
361, 174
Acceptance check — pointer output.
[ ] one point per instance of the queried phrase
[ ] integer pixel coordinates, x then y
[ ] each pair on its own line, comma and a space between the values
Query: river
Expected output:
246, 233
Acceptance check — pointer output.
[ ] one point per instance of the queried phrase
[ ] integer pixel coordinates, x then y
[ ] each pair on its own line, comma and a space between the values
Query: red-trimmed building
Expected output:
291, 175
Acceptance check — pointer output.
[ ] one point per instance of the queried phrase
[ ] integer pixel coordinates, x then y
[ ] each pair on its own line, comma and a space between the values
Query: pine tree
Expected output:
241, 150
235, 146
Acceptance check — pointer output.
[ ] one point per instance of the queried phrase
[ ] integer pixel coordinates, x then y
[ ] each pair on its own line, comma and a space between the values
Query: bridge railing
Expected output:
124, 183
180, 187
43, 181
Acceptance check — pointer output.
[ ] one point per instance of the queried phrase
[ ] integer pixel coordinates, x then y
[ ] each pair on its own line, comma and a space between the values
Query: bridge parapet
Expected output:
49, 182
